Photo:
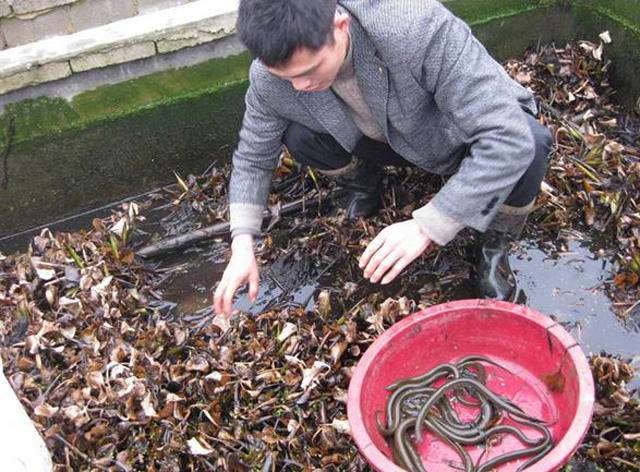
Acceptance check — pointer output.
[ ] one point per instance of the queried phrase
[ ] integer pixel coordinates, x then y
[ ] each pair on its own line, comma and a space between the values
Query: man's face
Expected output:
313, 71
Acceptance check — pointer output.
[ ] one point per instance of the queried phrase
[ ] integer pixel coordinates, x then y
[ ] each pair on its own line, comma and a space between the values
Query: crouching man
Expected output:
354, 85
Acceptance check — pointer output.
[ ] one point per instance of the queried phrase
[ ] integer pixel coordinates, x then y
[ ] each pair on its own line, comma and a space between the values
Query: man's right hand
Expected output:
242, 269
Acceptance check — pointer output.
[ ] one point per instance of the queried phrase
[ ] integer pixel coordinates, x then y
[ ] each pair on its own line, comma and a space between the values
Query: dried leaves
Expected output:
614, 438
113, 382
73, 307
594, 179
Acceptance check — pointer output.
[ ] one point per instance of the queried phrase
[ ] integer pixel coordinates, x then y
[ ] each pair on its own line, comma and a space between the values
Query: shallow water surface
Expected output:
569, 287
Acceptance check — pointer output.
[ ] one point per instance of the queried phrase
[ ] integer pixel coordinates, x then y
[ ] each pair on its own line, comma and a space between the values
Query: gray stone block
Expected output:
114, 56
208, 18
190, 37
29, 6
45, 73
3, 43
17, 31
5, 8
91, 13
54, 23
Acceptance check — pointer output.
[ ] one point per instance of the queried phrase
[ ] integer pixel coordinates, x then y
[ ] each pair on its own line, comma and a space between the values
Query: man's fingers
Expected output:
398, 267
385, 265
254, 285
230, 290
219, 293
380, 255
217, 296
371, 249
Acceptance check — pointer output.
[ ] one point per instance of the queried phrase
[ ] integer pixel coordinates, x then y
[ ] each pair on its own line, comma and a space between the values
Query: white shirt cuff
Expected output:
439, 227
245, 218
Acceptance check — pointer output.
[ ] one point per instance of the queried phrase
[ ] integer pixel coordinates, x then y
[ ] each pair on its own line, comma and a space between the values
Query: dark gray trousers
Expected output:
322, 151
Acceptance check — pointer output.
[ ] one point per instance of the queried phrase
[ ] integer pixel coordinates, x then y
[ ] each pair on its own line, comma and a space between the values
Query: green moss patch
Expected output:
36, 118
624, 12
155, 88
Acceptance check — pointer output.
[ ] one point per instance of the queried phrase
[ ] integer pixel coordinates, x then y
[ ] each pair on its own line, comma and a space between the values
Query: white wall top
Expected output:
211, 16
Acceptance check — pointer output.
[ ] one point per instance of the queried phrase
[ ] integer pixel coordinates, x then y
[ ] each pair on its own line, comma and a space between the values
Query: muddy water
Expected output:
198, 270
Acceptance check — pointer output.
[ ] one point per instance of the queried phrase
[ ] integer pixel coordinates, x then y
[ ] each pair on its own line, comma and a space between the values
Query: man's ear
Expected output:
342, 22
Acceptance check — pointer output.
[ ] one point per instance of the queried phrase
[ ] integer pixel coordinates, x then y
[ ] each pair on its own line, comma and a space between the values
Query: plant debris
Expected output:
614, 438
593, 182
115, 380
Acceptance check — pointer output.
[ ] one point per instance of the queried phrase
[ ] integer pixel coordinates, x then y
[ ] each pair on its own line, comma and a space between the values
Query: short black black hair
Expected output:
273, 29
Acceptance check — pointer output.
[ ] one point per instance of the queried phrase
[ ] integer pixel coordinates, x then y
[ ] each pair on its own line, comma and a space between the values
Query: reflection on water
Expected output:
569, 287
282, 284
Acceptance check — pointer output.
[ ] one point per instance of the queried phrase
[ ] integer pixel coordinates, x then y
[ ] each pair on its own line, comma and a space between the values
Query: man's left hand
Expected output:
393, 249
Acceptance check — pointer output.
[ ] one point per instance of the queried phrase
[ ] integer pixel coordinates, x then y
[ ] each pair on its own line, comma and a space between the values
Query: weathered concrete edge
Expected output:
168, 30
78, 83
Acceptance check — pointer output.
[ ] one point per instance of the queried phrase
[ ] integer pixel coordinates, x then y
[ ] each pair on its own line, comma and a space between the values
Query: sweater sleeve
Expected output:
254, 161
478, 98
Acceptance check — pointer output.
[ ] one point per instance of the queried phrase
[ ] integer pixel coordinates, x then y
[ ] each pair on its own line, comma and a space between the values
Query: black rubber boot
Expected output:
495, 279
362, 184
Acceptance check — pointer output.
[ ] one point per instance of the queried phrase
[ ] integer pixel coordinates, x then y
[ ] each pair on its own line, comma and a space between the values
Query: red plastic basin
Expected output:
530, 345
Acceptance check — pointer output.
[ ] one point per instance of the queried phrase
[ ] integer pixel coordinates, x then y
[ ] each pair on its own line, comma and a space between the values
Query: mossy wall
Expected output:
622, 19
118, 140
89, 166
508, 27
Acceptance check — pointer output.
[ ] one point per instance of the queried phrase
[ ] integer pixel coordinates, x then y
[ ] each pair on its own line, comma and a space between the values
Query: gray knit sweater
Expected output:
439, 98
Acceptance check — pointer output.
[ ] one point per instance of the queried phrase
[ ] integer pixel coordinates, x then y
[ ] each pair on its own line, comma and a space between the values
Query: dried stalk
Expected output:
221, 229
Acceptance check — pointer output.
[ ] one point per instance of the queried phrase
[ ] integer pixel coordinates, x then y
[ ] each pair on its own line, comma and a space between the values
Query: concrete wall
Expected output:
26, 21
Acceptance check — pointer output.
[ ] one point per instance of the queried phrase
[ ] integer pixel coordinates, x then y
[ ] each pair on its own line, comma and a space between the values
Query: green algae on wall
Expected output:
34, 118
624, 12
89, 167
507, 38
623, 52
156, 88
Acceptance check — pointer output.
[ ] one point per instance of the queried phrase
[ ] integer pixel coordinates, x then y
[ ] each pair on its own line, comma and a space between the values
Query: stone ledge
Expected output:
44, 73
21, 7
114, 56
205, 32
172, 29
